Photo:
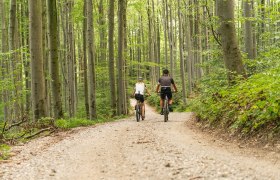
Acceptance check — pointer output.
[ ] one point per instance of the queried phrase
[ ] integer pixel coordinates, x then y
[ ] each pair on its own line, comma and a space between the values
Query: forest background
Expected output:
68, 63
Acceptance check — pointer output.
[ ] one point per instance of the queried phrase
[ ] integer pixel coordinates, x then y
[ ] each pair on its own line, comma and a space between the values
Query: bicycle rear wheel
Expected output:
137, 113
166, 110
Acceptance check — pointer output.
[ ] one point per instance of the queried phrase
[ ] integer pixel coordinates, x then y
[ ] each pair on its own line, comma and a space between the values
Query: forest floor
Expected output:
150, 149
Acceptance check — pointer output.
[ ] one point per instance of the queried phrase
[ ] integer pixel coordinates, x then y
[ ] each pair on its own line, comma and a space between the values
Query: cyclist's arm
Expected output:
174, 86
147, 90
157, 88
134, 90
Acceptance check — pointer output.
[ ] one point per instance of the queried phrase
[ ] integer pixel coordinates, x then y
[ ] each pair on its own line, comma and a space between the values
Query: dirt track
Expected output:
150, 149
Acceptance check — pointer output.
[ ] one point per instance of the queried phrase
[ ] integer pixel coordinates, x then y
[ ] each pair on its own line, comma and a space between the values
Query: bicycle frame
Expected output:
138, 110
166, 108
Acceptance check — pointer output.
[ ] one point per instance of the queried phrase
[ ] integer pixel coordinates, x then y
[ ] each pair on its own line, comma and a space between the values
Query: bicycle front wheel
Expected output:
166, 111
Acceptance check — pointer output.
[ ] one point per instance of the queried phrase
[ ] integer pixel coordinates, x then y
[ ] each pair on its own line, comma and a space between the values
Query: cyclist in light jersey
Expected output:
139, 92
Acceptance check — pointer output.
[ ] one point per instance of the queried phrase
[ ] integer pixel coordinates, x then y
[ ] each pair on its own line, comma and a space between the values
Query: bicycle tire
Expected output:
137, 113
166, 110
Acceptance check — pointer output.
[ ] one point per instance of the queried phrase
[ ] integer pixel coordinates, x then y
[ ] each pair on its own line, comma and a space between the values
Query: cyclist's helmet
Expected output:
140, 78
165, 71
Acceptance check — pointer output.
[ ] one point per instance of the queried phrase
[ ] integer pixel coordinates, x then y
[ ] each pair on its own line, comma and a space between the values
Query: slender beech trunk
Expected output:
158, 46
125, 46
165, 21
248, 29
102, 33
111, 64
36, 52
4, 49
71, 61
189, 46
231, 52
171, 40
182, 64
139, 52
91, 61
198, 48
25, 58
46, 56
254, 27
13, 56
151, 43
206, 43
63, 46
54, 64
85, 58
262, 23
121, 90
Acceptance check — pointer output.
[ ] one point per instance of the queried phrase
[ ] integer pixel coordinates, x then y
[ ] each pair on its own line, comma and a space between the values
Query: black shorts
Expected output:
139, 97
165, 91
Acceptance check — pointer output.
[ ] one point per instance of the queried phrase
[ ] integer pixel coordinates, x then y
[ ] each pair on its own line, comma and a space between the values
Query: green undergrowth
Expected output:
4, 151
250, 107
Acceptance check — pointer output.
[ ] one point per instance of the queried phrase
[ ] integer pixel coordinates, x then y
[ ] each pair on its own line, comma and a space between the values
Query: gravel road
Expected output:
150, 149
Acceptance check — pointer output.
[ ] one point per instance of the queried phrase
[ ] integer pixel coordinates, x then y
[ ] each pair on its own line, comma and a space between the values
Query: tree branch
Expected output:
215, 34
15, 124
39, 132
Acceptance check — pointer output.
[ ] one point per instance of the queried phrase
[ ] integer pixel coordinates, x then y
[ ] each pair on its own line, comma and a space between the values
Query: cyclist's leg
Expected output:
169, 95
137, 98
161, 102
143, 110
162, 98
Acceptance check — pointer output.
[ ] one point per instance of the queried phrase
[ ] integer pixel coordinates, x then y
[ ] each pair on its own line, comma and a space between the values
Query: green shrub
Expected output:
4, 151
72, 123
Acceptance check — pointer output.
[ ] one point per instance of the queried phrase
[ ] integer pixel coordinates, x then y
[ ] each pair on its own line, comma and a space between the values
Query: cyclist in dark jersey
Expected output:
165, 83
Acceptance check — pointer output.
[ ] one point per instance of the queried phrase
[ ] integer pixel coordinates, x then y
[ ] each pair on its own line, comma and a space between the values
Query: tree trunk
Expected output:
248, 29
254, 24
121, 90
198, 45
111, 64
25, 58
102, 33
231, 52
182, 65
262, 23
189, 46
4, 49
151, 46
171, 41
91, 61
36, 52
13, 56
165, 21
45, 57
71, 61
85, 58
54, 63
